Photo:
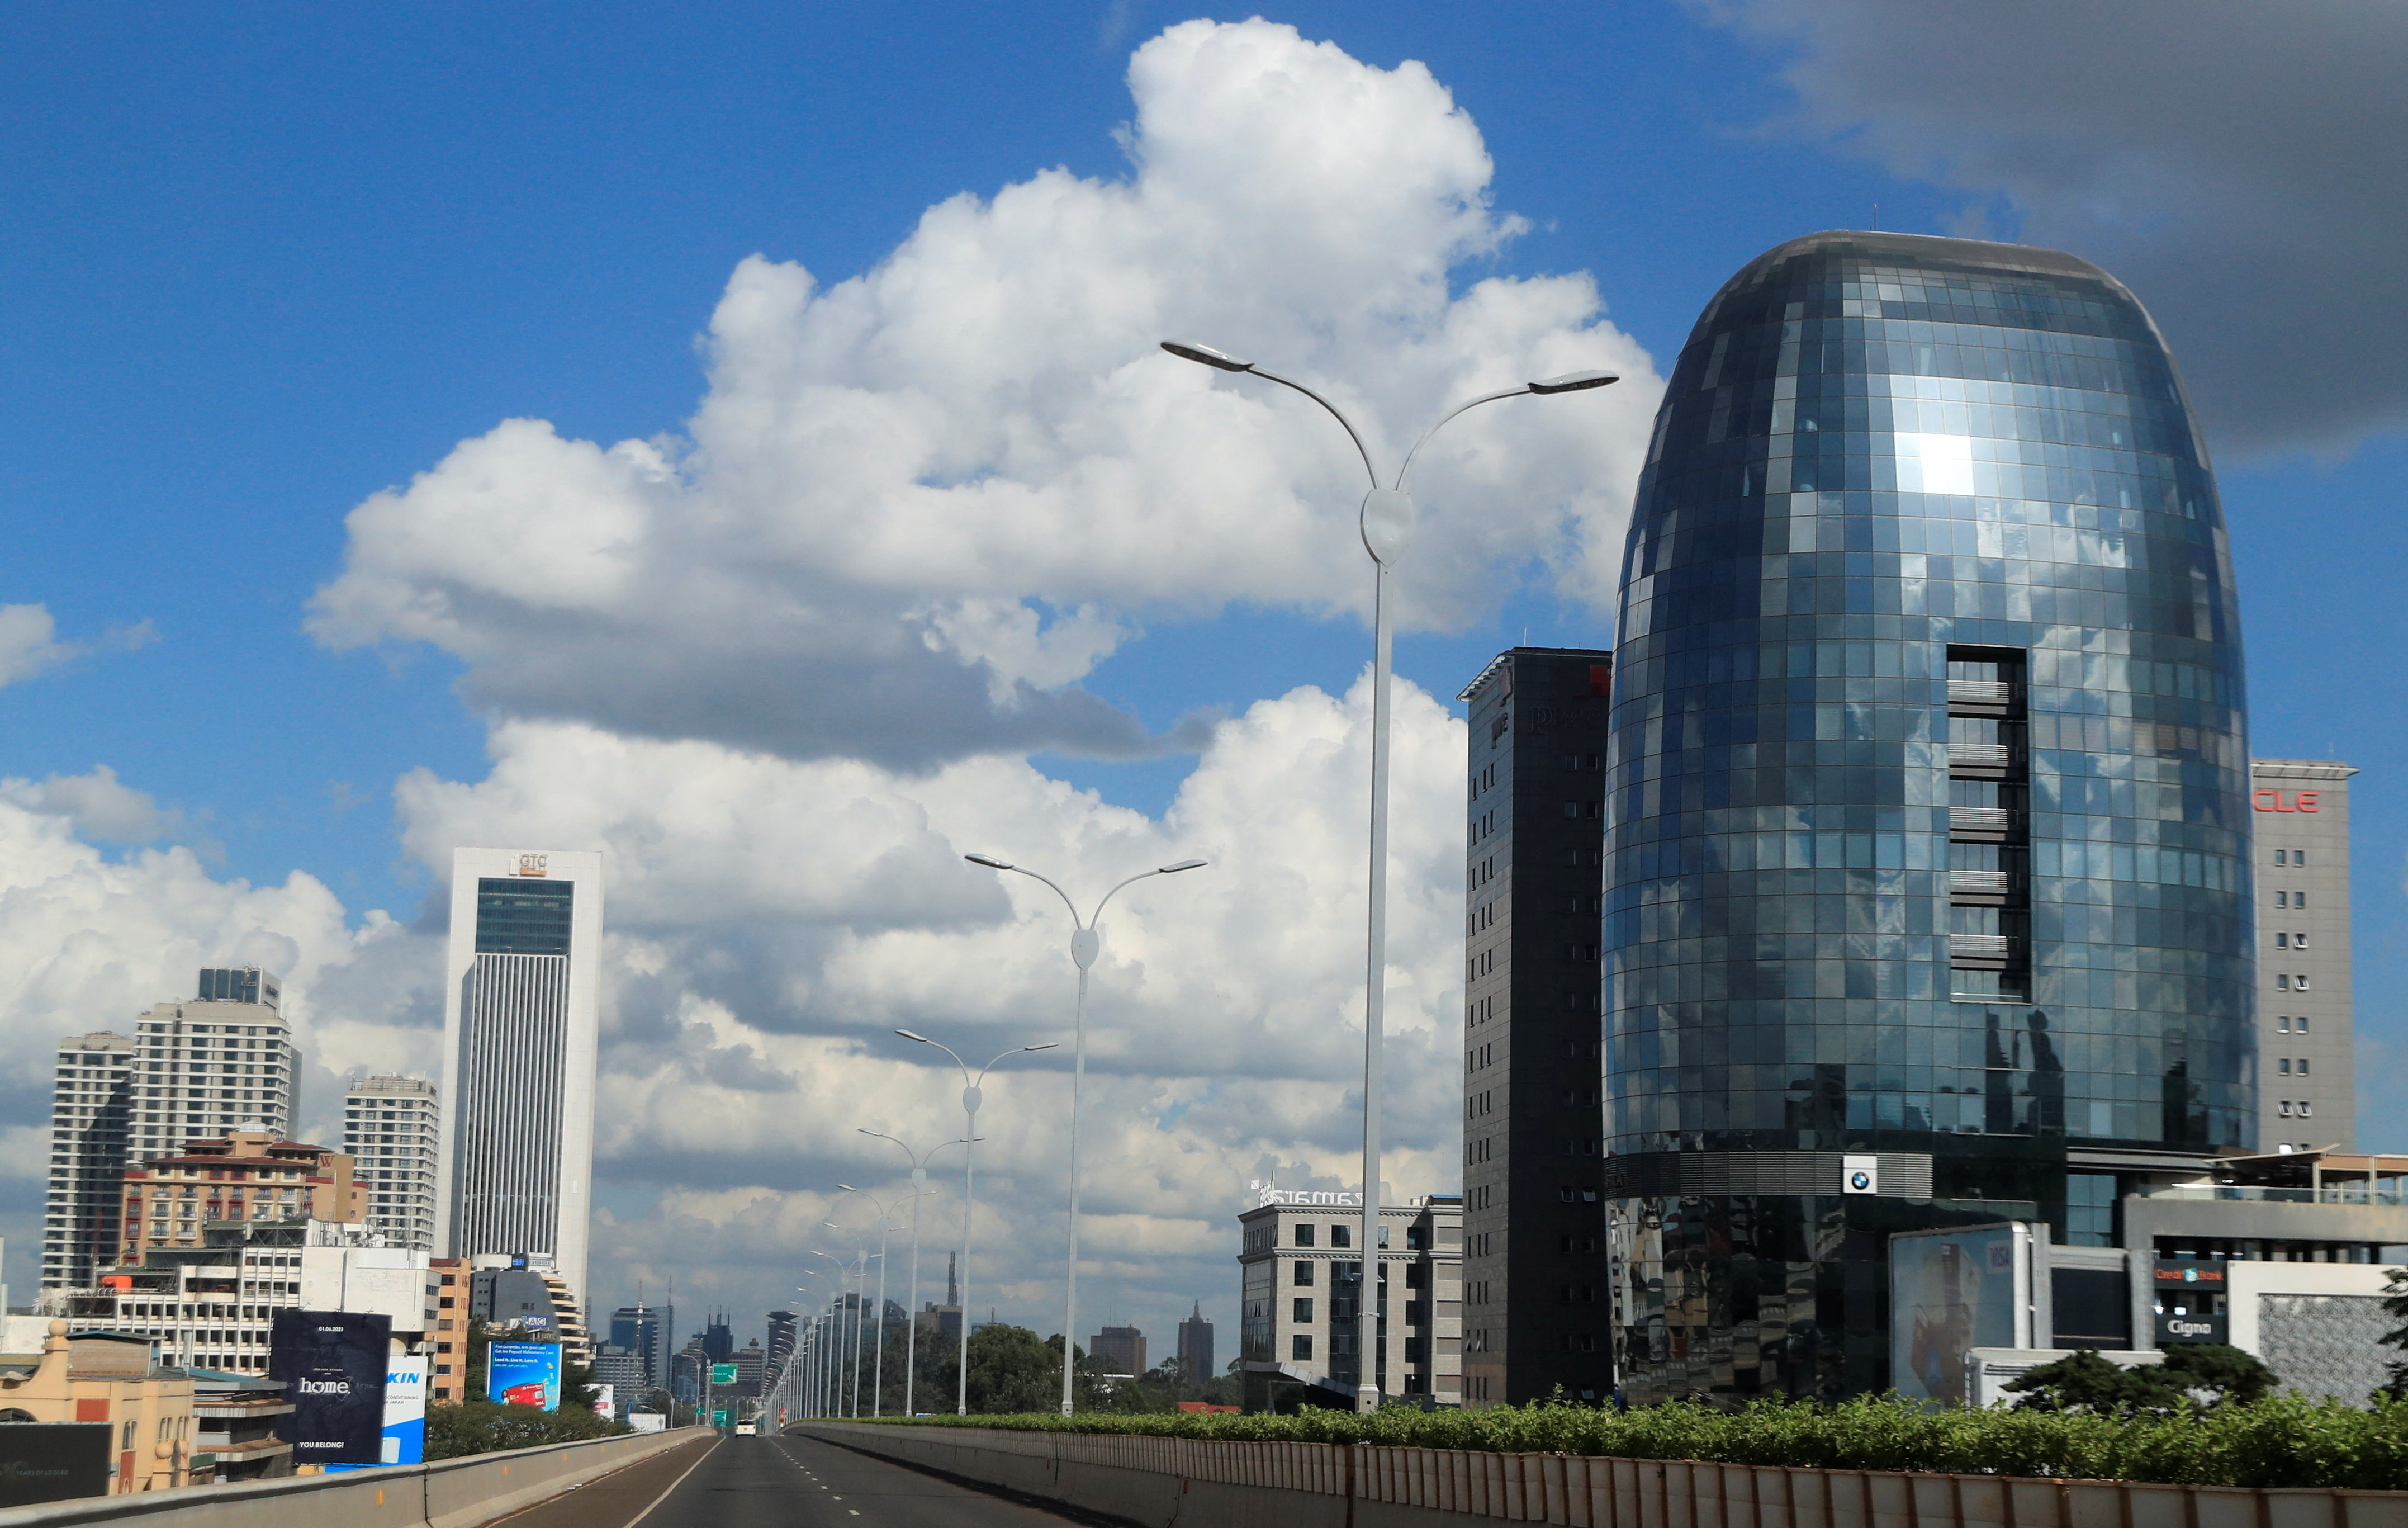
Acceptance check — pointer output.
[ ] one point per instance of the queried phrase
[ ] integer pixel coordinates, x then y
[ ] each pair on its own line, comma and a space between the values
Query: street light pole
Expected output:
1385, 524
843, 1275
973, 1093
920, 1190
1086, 943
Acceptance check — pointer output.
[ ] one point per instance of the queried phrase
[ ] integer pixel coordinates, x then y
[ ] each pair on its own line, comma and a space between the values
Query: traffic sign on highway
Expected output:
723, 1374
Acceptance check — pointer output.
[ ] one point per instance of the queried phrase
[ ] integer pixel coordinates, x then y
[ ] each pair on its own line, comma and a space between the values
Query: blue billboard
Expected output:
524, 1373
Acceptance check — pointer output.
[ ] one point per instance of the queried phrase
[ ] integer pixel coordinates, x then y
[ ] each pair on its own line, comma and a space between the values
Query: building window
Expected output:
1300, 1347
2283, 1067
1304, 1276
2299, 982
2282, 983
2283, 1023
2305, 1109
1342, 1235
2302, 1024
1302, 1310
2285, 1107
1304, 1234
2303, 1066
2281, 942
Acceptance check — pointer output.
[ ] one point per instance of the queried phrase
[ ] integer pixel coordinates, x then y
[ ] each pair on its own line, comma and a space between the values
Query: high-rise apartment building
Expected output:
2307, 1095
193, 1069
89, 1106
391, 1129
520, 1027
1927, 880
781, 1339
1195, 1347
1534, 1312
222, 1060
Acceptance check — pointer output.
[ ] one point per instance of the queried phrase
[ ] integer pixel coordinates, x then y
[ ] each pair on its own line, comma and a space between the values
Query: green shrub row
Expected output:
2280, 1441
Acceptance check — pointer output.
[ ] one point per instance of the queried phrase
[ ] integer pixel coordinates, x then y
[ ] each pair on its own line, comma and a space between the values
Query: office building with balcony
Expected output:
391, 1130
2307, 1090
520, 1029
1300, 1285
1534, 1316
1927, 843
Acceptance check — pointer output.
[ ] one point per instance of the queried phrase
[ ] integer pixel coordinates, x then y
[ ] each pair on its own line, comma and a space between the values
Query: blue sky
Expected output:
259, 264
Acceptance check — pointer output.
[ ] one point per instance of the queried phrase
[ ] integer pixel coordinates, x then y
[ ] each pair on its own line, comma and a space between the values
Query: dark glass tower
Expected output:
1928, 825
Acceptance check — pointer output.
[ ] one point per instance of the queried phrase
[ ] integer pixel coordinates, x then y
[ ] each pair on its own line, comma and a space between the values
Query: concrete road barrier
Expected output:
451, 1494
1158, 1482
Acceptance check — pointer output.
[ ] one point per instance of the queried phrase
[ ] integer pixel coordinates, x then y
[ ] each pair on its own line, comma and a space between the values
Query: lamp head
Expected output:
1576, 382
989, 860
1184, 864
1205, 355
922, 1038
848, 1188
1050, 1044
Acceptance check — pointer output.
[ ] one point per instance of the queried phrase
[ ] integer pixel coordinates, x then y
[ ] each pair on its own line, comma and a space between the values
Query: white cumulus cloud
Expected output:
916, 506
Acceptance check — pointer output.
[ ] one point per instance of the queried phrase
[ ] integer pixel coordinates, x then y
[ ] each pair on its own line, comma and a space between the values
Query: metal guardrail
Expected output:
1979, 756
1981, 883
1977, 946
1982, 692
2259, 1194
1980, 819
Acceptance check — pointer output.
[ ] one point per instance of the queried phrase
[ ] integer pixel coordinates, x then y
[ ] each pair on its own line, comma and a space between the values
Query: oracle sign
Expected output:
2272, 801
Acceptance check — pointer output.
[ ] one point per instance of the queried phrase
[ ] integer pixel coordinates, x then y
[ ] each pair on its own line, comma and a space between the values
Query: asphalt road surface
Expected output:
790, 1482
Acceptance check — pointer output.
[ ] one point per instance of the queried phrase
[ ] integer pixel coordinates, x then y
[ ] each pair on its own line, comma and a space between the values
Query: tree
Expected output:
2395, 1304
2086, 1382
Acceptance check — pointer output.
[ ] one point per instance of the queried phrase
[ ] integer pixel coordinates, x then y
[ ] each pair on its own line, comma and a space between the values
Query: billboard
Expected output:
1951, 1292
605, 1402
332, 1364
405, 1413
524, 1373
53, 1461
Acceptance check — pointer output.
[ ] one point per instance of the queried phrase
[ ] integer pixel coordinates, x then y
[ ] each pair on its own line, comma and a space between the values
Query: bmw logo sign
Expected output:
1860, 1180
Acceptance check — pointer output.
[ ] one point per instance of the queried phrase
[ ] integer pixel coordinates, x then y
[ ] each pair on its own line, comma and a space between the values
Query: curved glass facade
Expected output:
1928, 825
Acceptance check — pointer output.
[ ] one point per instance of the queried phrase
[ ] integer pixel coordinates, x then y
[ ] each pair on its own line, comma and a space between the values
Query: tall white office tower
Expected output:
390, 1131
80, 1226
2307, 1085
203, 1067
520, 1024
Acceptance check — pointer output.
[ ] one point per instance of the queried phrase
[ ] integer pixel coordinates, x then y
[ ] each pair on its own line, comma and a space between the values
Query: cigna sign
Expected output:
2272, 801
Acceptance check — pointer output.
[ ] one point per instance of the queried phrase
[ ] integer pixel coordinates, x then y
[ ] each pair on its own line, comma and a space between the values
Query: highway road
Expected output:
778, 1482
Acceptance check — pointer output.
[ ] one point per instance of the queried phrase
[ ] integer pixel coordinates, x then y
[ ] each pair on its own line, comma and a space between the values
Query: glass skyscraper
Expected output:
1928, 798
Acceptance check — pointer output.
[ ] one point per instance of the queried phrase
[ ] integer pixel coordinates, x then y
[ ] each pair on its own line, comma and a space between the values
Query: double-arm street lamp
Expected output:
848, 1273
877, 1375
1387, 526
972, 1093
1086, 943
920, 1190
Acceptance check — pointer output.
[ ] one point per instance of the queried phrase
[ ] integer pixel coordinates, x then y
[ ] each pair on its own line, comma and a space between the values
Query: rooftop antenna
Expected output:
1876, 228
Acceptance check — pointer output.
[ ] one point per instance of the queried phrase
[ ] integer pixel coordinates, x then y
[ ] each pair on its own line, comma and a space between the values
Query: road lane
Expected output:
792, 1482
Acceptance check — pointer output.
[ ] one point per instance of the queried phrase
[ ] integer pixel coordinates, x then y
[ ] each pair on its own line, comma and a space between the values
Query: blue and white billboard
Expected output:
524, 1373
404, 1414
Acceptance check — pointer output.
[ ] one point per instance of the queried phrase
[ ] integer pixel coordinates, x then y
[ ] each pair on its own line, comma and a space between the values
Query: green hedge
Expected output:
2283, 1441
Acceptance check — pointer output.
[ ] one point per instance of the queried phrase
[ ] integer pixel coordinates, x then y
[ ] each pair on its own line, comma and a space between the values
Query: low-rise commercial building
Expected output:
245, 1177
112, 1379
1300, 1282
